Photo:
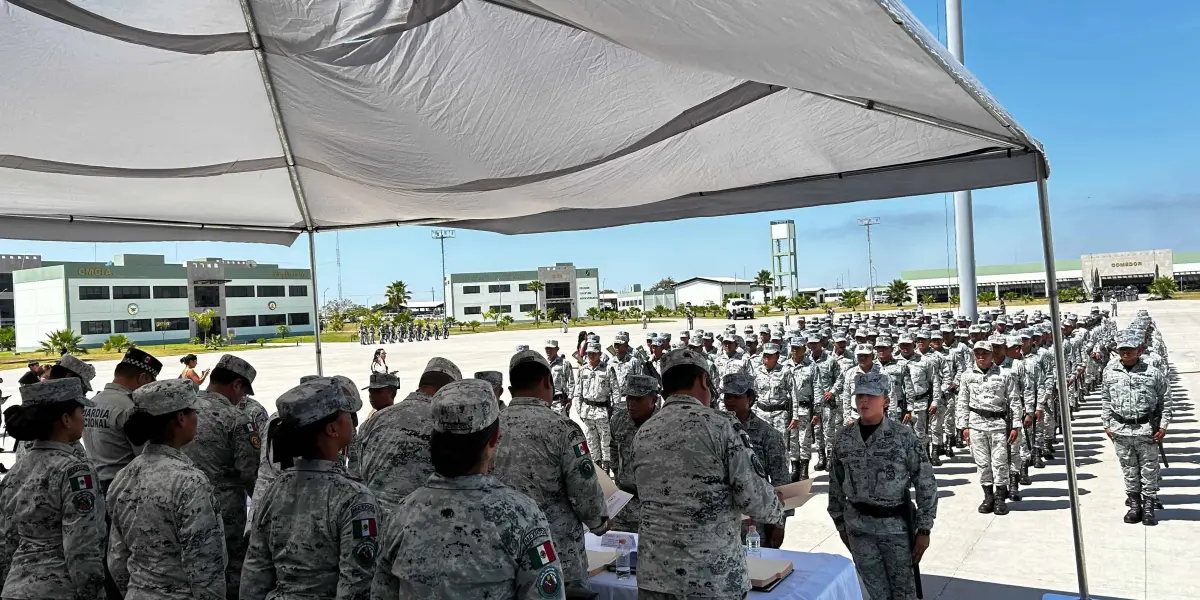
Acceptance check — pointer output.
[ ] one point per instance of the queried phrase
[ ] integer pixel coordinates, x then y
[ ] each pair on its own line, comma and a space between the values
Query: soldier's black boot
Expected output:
959, 442
1038, 461
1158, 503
1148, 518
933, 456
803, 470
1001, 495
1014, 487
989, 500
950, 448
820, 462
1024, 479
795, 471
1134, 515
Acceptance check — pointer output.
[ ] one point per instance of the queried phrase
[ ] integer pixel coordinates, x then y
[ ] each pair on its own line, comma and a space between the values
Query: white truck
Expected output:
739, 308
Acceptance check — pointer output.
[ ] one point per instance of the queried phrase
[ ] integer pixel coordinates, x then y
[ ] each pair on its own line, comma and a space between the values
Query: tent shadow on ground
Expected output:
1047, 477
1038, 505
1178, 499
953, 470
1177, 514
1043, 492
945, 483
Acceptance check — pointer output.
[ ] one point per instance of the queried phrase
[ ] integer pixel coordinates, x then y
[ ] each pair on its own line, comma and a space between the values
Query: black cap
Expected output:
143, 360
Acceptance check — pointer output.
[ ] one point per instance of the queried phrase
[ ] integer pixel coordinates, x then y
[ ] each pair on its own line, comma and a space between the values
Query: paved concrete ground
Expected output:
1018, 556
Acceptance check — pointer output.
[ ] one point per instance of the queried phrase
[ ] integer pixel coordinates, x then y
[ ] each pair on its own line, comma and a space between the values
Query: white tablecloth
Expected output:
814, 577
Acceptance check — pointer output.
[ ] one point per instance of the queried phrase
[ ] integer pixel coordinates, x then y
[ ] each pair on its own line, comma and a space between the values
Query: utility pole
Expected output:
964, 220
337, 244
868, 222
441, 235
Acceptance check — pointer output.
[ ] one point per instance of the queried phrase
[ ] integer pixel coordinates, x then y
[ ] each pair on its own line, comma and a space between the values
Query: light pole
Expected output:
441, 235
868, 222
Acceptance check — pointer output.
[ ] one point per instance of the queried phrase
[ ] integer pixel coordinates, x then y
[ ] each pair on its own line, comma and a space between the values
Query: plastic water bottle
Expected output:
622, 559
753, 543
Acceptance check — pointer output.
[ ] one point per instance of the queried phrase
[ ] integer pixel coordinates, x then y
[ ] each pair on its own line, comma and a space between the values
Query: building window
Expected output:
95, 327
297, 319
6, 282
527, 307
472, 310
207, 296
470, 289
170, 291
131, 292
270, 291
523, 287
501, 308
498, 288
298, 290
93, 292
176, 324
558, 291
271, 320
242, 321
239, 291
133, 326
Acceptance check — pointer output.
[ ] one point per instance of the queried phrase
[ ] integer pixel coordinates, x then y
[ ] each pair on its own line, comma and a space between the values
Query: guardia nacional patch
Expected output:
548, 582
364, 553
84, 502
587, 469
255, 441
758, 468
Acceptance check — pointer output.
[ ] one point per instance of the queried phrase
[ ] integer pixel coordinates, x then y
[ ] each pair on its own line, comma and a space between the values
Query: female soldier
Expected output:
166, 541
66, 367
51, 516
315, 531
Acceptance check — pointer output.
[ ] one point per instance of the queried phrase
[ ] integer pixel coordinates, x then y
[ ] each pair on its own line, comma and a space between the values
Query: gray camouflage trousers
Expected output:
831, 424
232, 504
942, 426
884, 562
598, 438
990, 451
1049, 422
920, 420
800, 439
1139, 463
1018, 452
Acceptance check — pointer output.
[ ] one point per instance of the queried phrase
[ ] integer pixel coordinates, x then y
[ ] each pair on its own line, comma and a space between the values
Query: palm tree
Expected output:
536, 314
1163, 287
61, 342
504, 322
474, 325
897, 292
491, 315
987, 297
593, 313
852, 299
398, 295
765, 279
204, 322
536, 287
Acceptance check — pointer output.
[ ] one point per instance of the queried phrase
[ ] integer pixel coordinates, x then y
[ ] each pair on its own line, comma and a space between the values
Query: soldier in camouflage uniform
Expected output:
897, 373
51, 510
66, 366
773, 391
847, 379
268, 466
544, 456
104, 424
496, 378
873, 465
463, 535
985, 412
1135, 410
728, 361
641, 401
806, 415
391, 451
226, 449
767, 443
316, 530
564, 379
593, 399
696, 474
167, 540
1019, 454
623, 364
824, 393
923, 387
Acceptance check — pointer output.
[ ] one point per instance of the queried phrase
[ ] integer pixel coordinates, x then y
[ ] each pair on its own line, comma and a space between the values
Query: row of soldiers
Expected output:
406, 332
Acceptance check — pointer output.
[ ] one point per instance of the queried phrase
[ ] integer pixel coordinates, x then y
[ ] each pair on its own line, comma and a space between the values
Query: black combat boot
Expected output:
1134, 515
1014, 487
989, 500
803, 470
1158, 503
959, 442
1048, 453
1148, 518
950, 444
795, 471
1001, 495
1024, 478
1038, 461
933, 456
820, 462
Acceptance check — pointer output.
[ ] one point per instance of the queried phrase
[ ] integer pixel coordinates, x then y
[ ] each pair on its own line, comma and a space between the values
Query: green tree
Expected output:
282, 330
371, 320
474, 325
796, 303
63, 341
492, 315
765, 279
337, 321
1011, 296
1069, 294
666, 283
1027, 299
987, 297
451, 321
852, 299
954, 298
504, 322
204, 322
1163, 287
661, 311
763, 309
117, 343
536, 287
537, 315
779, 302
634, 312
593, 313
397, 295
162, 326
8, 338
897, 292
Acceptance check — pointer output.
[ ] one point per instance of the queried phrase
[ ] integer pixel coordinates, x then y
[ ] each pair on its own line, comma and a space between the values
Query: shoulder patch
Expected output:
83, 502
534, 535
365, 552
581, 449
365, 528
77, 468
82, 482
363, 507
587, 470
757, 464
548, 582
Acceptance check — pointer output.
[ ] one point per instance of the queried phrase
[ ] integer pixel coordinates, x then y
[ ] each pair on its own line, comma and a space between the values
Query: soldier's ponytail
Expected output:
31, 423
143, 427
288, 441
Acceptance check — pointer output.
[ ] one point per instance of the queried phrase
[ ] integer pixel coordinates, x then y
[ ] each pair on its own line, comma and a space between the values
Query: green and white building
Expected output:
148, 300
566, 289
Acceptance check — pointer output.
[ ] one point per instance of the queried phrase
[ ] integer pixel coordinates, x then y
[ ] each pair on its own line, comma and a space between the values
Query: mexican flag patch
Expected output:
542, 555
365, 528
80, 483
581, 449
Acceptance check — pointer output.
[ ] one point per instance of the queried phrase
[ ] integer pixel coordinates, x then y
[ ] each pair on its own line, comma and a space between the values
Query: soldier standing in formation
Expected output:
544, 456
593, 397
564, 379
1019, 455
773, 392
104, 424
641, 401
985, 412
922, 386
805, 416
897, 374
824, 394
767, 443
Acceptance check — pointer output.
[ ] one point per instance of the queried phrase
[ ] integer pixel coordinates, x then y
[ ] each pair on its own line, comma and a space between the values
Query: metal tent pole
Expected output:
1060, 376
964, 219
312, 265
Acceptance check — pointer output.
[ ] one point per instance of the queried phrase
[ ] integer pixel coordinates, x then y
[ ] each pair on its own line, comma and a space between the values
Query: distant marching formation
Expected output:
409, 332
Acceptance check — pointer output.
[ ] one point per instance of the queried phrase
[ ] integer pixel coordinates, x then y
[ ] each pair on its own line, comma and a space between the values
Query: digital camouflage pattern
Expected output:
563, 374
1128, 397
593, 392
390, 453
620, 367
167, 540
623, 432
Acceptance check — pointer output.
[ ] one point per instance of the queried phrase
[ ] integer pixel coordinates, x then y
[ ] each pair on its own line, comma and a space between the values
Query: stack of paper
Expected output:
614, 498
598, 560
794, 494
764, 573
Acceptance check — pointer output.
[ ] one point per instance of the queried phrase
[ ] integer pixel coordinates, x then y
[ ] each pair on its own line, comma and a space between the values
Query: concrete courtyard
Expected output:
1019, 556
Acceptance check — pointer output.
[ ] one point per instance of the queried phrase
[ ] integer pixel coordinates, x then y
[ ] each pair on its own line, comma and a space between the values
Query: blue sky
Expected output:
1109, 88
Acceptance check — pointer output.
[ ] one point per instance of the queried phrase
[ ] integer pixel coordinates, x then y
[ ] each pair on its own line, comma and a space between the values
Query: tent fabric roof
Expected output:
135, 120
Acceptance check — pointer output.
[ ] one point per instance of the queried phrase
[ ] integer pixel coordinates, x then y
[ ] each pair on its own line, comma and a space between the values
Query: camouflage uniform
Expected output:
1132, 399
988, 405
592, 398
52, 514
315, 530
924, 390
167, 539
897, 374
723, 364
696, 475
805, 393
544, 456
774, 394
468, 537
828, 368
1019, 454
564, 382
623, 430
868, 489
390, 452
619, 368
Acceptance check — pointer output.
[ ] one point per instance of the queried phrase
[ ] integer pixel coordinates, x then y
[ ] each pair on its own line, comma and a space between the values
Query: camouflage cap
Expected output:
682, 357
708, 335
308, 378
752, 339
52, 391
771, 348
592, 347
693, 343
310, 402
524, 356
496, 378
554, 343
839, 338
349, 388
871, 383
813, 339
621, 338
438, 364
863, 349
678, 345
85, 371
380, 381
944, 329
1013, 340
998, 340
658, 342
238, 366
962, 332
1129, 339
883, 341
737, 384
665, 336
143, 361
464, 406
522, 347
908, 339
922, 334
593, 337
640, 385
764, 328
982, 345
748, 330
685, 334
165, 397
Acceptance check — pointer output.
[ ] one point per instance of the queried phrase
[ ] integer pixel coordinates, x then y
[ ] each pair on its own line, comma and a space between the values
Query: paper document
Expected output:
598, 560
614, 498
795, 494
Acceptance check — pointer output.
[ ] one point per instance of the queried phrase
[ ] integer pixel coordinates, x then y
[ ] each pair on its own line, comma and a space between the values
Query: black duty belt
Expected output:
989, 414
880, 512
779, 407
597, 404
926, 396
1133, 421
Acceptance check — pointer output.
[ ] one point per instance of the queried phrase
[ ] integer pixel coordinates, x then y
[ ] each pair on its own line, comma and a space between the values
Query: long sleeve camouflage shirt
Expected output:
879, 471
1134, 394
992, 391
390, 453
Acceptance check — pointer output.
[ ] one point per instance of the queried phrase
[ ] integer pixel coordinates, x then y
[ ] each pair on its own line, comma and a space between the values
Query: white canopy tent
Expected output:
513, 116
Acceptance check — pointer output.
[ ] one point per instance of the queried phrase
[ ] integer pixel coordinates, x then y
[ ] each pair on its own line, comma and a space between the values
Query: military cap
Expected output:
554, 343
922, 334
699, 332
593, 337
944, 329
678, 345
694, 343
982, 345
526, 356
812, 339
733, 340
708, 335
863, 349
839, 337
522, 347
665, 336
650, 335
748, 330
438, 364
308, 378
142, 360
764, 328
239, 367
54, 390
1129, 339
85, 371
883, 341
682, 356
1025, 333
381, 381
962, 332
685, 334
1105, 312
871, 383
1014, 340
997, 340
906, 339
464, 406
310, 402
621, 338
640, 385
496, 378
658, 342
592, 347
737, 384
165, 397
771, 348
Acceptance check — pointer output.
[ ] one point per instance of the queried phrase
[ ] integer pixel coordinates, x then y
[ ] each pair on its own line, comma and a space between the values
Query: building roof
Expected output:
715, 280
425, 304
